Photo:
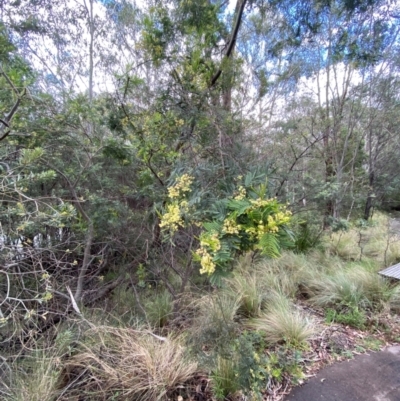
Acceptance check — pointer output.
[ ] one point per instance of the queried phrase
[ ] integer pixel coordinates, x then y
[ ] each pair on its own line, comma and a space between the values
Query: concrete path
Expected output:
368, 377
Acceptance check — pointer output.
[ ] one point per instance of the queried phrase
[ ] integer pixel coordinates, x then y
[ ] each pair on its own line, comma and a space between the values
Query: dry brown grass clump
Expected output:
125, 364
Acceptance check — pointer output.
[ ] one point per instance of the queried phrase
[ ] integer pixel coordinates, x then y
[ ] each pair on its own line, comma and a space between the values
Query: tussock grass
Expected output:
219, 306
283, 323
287, 273
353, 286
37, 383
249, 293
345, 244
214, 328
394, 302
159, 309
35, 376
223, 378
125, 364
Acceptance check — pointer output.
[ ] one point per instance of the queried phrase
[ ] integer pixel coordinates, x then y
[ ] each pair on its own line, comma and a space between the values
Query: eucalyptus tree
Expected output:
324, 51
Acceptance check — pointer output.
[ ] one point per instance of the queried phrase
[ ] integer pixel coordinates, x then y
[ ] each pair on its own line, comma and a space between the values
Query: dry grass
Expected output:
125, 364
35, 375
283, 323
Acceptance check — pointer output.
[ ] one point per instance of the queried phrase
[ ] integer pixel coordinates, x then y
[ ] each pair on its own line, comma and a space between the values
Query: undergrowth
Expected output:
248, 335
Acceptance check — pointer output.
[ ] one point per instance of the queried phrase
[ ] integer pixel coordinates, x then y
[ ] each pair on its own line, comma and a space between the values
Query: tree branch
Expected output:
239, 14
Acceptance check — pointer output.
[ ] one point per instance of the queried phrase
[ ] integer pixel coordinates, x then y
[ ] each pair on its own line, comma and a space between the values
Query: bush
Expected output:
353, 317
307, 237
259, 371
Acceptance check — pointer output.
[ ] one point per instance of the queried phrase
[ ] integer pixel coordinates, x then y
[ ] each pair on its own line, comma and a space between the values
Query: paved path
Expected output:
368, 377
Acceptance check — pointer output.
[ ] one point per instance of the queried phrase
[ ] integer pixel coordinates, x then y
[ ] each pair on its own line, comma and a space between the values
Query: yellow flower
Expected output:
207, 264
184, 206
272, 226
47, 296
241, 193
173, 192
172, 218
182, 185
230, 227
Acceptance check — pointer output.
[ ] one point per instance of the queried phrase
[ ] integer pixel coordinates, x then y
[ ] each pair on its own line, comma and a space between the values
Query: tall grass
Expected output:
214, 329
159, 309
353, 286
35, 376
223, 378
376, 241
249, 292
283, 323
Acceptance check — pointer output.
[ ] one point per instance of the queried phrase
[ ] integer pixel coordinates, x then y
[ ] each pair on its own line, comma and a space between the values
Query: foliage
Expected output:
135, 142
224, 378
214, 327
159, 309
307, 237
253, 370
353, 287
36, 376
249, 291
246, 222
352, 317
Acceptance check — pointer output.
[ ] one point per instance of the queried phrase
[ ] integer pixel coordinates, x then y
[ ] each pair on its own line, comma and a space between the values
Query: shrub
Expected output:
259, 371
353, 317
307, 237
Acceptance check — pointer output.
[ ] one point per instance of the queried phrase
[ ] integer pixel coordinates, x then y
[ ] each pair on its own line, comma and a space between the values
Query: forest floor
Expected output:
338, 343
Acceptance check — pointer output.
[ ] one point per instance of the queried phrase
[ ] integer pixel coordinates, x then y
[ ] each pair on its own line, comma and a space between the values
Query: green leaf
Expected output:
212, 226
269, 245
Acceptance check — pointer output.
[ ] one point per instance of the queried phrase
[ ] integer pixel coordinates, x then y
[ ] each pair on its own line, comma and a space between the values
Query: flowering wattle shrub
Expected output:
249, 224
248, 221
